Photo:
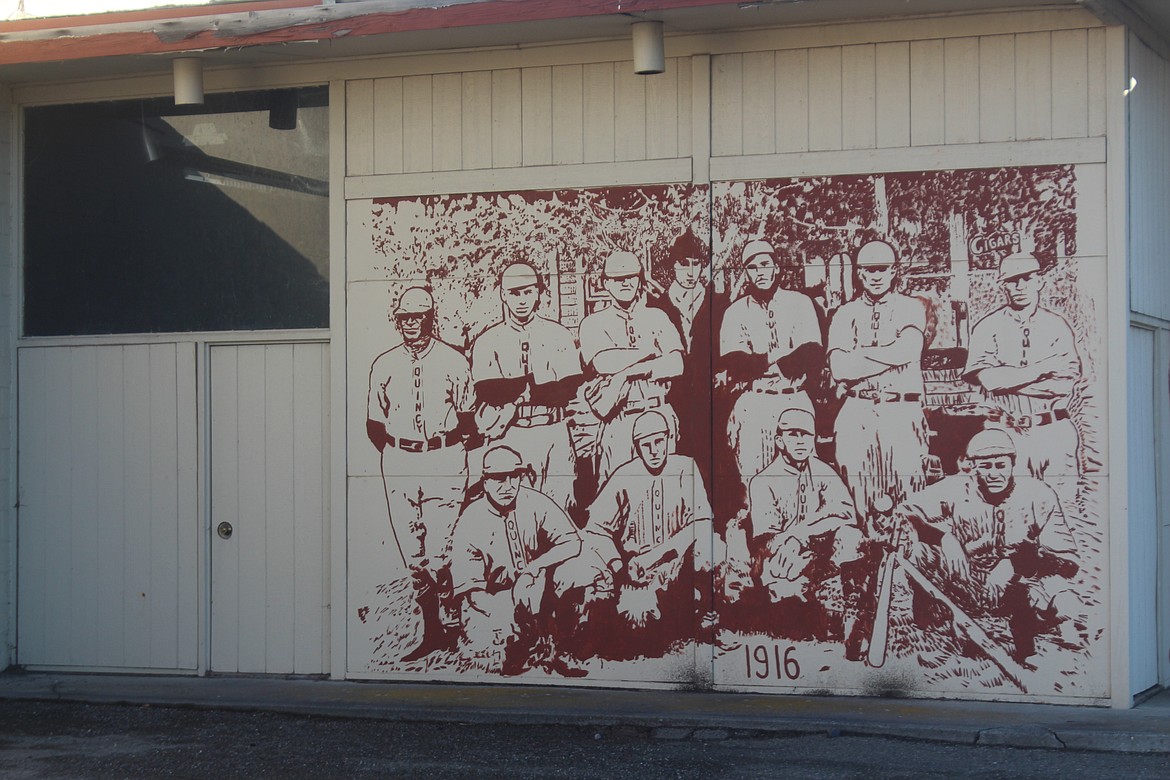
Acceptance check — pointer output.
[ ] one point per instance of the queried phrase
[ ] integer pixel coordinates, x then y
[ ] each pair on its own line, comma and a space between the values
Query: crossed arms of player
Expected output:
862, 362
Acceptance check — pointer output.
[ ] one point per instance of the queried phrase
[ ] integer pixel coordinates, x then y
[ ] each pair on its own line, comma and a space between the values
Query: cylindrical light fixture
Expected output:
649, 51
188, 81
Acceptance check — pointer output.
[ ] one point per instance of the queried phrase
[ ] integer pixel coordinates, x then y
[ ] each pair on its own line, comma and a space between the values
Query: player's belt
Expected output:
1029, 420
883, 396
534, 415
644, 405
418, 445
778, 390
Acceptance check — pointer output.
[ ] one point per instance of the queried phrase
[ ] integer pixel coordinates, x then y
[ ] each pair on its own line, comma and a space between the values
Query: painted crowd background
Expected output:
836, 433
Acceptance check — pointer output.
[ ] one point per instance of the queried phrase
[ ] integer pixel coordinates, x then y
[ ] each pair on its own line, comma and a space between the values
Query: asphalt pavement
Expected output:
670, 714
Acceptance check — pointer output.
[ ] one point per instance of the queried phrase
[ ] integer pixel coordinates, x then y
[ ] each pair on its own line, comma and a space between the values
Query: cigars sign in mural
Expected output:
836, 433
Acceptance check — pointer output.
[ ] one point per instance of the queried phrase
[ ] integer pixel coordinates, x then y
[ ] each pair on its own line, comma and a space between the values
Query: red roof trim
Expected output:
150, 15
471, 14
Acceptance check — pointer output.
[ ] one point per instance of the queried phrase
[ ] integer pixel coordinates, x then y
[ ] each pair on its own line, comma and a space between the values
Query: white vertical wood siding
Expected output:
109, 507
1031, 86
1143, 510
517, 117
270, 580
1149, 182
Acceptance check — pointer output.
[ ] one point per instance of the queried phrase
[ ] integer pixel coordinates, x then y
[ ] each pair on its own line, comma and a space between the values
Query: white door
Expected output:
269, 504
109, 511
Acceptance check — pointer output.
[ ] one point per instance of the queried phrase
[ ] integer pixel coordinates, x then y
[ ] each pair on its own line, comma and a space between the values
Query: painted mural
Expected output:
832, 433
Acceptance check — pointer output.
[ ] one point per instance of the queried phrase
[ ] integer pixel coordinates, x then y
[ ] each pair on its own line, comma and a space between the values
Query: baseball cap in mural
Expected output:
415, 300
502, 462
1017, 265
519, 275
876, 253
796, 419
755, 248
620, 265
991, 444
648, 424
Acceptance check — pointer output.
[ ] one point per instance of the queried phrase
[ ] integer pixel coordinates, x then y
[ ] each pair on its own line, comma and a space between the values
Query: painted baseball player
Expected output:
505, 556
997, 545
526, 370
801, 512
769, 342
651, 528
635, 351
798, 549
696, 308
875, 353
419, 402
1024, 358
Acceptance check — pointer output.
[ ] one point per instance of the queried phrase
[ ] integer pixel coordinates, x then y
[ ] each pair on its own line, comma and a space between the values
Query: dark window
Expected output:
144, 217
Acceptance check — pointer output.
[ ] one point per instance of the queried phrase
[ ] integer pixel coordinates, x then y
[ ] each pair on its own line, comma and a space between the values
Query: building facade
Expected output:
441, 345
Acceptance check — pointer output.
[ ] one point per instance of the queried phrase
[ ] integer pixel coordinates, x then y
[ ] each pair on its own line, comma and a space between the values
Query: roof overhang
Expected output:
266, 32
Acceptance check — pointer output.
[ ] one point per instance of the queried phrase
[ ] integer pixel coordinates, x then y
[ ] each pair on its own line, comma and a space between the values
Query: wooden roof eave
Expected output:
288, 23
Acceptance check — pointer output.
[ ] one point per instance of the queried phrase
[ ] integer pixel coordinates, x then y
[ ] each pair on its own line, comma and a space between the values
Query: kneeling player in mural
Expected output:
526, 371
794, 563
989, 561
651, 527
419, 402
511, 593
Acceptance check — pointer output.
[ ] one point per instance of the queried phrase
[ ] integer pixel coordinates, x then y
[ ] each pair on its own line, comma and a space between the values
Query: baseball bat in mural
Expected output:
826, 433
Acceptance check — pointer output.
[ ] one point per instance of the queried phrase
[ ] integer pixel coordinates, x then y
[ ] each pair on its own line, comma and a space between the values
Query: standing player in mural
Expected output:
803, 533
506, 557
418, 405
651, 526
635, 351
992, 545
1024, 358
696, 308
769, 344
875, 356
526, 370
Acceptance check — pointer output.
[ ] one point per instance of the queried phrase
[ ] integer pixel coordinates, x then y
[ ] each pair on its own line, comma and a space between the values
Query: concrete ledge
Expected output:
663, 714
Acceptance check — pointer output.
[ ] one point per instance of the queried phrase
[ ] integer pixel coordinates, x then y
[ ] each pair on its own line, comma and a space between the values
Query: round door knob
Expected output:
224, 530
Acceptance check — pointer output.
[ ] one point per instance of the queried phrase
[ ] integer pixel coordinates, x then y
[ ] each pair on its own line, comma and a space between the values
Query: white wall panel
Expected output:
598, 112
859, 111
1149, 177
477, 119
824, 98
568, 114
387, 130
759, 114
519, 117
791, 100
359, 128
1034, 86
109, 518
922, 92
536, 115
1143, 510
927, 93
269, 426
